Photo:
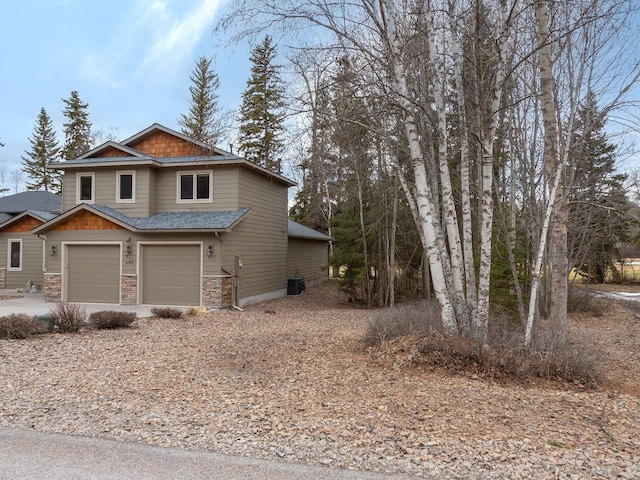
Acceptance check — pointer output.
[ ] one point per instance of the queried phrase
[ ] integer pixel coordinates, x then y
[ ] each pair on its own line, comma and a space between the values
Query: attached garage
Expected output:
93, 273
171, 274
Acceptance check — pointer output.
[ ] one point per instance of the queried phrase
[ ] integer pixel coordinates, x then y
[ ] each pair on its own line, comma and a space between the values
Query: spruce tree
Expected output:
599, 221
202, 122
44, 151
77, 129
261, 113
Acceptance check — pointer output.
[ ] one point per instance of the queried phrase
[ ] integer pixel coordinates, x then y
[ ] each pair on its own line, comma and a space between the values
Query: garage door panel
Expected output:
93, 273
171, 274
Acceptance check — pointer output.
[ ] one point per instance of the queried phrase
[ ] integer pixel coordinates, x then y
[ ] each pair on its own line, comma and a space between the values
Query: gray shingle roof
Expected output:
31, 200
300, 231
164, 221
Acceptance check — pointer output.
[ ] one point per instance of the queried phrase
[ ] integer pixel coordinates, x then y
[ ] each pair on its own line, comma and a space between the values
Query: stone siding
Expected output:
129, 290
52, 287
3, 278
216, 292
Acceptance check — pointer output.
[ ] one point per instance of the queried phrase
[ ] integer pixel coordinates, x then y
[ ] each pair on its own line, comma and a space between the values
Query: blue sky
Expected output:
130, 60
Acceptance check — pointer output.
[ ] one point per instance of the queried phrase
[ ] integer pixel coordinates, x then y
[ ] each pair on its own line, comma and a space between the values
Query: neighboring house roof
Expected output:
300, 231
223, 221
39, 200
41, 216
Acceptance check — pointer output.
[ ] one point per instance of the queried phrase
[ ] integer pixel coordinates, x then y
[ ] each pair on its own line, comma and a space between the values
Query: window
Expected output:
126, 187
194, 187
86, 188
15, 255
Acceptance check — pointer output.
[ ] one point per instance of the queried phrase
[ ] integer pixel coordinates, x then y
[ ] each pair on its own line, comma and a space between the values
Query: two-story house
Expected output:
162, 219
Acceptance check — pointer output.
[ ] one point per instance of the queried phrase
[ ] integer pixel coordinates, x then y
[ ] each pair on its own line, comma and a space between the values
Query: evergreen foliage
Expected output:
77, 128
44, 152
261, 113
598, 217
202, 122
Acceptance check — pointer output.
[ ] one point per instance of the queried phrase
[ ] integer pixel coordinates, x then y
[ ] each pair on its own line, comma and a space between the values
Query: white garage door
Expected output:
171, 274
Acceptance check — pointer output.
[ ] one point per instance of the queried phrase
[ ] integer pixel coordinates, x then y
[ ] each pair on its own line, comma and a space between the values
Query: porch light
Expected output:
209, 250
127, 250
52, 250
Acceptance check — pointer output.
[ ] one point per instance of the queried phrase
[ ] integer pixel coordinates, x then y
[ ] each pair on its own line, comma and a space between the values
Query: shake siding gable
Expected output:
23, 225
84, 220
162, 144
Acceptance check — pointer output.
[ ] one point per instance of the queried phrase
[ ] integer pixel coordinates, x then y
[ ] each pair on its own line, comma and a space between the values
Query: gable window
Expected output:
126, 187
194, 187
86, 188
15, 255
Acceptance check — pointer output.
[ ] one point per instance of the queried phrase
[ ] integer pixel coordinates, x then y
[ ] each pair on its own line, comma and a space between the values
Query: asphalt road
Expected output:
26, 455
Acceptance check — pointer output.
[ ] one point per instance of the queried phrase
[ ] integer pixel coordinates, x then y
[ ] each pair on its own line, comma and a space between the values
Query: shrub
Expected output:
69, 317
412, 335
111, 319
20, 325
401, 321
166, 312
580, 300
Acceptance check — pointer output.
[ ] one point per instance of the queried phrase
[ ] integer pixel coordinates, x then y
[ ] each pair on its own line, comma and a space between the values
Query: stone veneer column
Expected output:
216, 292
129, 290
3, 278
52, 287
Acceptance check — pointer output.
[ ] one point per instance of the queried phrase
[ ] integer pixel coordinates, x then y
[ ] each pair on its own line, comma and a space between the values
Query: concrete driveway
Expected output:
27, 455
34, 304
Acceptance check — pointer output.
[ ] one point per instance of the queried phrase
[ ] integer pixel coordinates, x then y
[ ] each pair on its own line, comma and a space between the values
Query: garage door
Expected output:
93, 273
171, 274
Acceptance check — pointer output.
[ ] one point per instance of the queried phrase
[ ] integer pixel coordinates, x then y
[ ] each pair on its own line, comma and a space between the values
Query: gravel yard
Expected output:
290, 380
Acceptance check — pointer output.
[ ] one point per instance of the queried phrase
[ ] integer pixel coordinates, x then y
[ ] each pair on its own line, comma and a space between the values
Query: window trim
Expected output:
119, 175
195, 174
79, 176
10, 241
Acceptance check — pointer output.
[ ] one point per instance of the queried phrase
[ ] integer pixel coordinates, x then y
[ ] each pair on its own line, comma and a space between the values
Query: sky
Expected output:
130, 60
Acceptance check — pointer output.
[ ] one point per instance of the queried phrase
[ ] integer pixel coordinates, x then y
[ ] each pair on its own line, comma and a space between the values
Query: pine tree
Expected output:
598, 214
261, 112
77, 129
44, 151
203, 122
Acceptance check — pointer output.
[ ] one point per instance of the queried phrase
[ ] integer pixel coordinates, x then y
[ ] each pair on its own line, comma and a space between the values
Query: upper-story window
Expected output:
126, 187
86, 188
195, 187
15, 255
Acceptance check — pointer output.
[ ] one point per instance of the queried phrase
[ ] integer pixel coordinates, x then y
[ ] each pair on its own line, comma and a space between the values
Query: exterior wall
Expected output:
32, 265
129, 290
308, 259
260, 240
106, 182
225, 190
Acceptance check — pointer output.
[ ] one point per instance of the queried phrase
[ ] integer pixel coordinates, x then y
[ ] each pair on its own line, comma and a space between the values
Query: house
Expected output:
162, 219
22, 257
37, 200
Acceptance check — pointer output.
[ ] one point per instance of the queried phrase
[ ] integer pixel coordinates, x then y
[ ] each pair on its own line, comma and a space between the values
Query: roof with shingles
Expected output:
39, 200
164, 221
300, 231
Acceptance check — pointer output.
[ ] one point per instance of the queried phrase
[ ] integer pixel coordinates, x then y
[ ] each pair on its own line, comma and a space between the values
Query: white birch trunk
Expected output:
450, 215
423, 194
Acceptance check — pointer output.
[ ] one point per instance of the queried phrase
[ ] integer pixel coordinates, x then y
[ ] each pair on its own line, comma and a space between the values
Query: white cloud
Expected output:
150, 37
176, 37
